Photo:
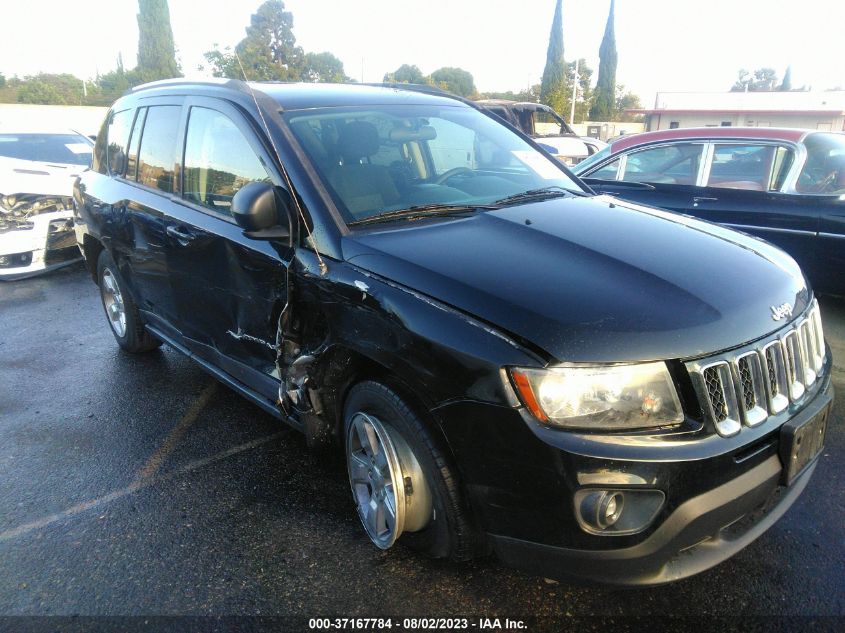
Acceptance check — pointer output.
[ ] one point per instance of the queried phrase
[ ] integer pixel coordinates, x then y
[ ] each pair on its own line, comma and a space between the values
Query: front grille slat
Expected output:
721, 392
746, 389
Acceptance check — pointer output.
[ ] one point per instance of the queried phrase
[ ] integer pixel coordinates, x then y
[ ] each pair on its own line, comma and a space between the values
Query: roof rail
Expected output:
422, 88
236, 84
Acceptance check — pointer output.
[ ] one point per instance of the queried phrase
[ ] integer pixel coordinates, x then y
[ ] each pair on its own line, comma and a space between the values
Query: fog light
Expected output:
601, 509
616, 512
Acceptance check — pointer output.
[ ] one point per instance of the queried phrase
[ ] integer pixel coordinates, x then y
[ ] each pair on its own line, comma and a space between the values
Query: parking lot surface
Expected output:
138, 485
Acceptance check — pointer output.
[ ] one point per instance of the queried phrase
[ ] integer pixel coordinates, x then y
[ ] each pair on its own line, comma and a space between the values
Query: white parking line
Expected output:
135, 486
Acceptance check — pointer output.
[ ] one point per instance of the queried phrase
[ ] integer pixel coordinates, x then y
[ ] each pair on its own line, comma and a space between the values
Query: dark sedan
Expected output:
786, 186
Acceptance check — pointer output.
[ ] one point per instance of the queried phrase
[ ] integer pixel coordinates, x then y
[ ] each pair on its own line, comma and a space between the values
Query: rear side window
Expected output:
118, 138
218, 161
741, 166
157, 156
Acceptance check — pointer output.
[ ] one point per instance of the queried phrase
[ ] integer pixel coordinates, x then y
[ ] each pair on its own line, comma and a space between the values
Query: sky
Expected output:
663, 45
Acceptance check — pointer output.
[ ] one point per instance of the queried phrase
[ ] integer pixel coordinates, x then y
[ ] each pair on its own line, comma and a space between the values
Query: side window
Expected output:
218, 161
547, 124
668, 164
134, 144
157, 155
608, 172
747, 166
118, 137
449, 146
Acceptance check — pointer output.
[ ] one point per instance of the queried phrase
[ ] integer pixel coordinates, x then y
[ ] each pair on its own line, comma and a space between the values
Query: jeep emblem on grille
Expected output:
781, 311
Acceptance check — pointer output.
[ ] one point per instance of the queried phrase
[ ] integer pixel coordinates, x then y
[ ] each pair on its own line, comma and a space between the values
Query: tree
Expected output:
531, 94
763, 80
268, 52
323, 68
53, 89
2, 80
627, 101
110, 86
156, 50
604, 101
456, 80
553, 84
405, 74
585, 96
786, 85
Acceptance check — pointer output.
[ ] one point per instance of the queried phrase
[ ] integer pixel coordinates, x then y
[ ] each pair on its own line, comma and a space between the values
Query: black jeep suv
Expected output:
510, 362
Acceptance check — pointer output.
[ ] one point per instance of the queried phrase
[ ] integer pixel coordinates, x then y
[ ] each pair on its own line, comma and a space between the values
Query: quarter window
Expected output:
118, 137
668, 164
157, 155
218, 161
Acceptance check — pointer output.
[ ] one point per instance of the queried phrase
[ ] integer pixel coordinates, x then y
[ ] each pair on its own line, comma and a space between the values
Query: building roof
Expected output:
792, 102
768, 133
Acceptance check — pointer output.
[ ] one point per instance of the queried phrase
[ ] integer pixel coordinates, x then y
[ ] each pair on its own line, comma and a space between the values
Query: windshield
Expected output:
824, 169
47, 148
379, 159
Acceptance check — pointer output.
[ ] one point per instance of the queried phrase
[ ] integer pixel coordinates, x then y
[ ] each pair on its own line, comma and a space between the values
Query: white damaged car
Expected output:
37, 170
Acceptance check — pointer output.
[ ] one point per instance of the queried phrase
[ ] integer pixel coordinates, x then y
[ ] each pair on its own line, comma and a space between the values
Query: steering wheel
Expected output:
449, 173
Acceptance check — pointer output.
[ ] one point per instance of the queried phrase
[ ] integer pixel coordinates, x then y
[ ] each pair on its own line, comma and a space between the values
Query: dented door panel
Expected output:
229, 291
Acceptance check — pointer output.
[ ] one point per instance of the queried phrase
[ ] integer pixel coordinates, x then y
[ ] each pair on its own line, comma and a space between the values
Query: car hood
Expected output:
35, 177
593, 279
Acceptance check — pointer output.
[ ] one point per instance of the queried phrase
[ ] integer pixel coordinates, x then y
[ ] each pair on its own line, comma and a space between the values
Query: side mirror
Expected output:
255, 209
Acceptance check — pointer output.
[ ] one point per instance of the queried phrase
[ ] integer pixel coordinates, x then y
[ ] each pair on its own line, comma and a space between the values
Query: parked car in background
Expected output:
37, 170
508, 362
546, 127
784, 185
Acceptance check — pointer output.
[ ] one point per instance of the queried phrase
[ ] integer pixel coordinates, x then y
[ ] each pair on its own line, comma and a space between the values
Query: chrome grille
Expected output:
746, 382
749, 387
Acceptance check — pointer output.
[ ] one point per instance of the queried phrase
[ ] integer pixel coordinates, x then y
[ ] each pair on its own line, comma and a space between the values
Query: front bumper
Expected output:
48, 245
715, 504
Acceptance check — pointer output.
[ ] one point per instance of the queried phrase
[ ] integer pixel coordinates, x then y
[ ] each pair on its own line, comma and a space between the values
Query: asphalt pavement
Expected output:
137, 485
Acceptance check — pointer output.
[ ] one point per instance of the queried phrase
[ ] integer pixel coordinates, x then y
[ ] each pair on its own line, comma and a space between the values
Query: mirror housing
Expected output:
256, 211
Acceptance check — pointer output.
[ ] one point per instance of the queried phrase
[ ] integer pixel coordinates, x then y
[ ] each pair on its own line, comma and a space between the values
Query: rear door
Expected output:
146, 176
229, 289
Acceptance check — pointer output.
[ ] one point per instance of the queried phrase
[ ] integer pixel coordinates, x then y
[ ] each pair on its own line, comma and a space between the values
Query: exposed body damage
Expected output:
36, 218
339, 334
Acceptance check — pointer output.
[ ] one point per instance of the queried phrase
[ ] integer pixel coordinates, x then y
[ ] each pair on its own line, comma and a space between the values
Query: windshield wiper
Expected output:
421, 211
542, 193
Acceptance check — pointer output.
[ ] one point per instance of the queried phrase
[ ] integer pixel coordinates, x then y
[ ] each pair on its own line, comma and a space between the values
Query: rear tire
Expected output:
436, 517
121, 311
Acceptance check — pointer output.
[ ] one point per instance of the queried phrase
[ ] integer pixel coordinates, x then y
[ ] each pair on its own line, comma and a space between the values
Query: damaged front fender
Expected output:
350, 325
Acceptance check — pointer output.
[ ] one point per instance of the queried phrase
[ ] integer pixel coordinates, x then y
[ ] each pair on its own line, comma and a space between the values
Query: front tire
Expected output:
121, 311
402, 483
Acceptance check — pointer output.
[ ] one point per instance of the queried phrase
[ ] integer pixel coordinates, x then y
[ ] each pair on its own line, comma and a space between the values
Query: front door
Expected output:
229, 289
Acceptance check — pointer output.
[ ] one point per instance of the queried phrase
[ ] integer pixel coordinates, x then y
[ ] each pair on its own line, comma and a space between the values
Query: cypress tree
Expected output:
604, 98
786, 85
156, 50
553, 85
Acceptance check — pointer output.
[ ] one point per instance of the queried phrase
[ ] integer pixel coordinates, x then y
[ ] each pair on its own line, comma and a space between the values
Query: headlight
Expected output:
605, 398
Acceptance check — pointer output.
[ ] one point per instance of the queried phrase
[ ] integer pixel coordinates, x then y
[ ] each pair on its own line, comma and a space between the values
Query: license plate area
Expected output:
800, 443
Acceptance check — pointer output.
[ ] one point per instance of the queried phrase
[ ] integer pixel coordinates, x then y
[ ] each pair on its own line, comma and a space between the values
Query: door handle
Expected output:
180, 235
698, 199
